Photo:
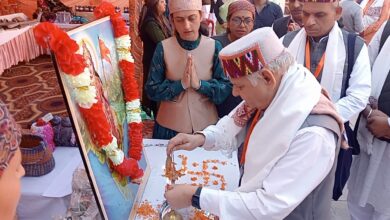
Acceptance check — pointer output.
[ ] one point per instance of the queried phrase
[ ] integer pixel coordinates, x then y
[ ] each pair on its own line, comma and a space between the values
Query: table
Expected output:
12, 16
18, 45
155, 153
48, 196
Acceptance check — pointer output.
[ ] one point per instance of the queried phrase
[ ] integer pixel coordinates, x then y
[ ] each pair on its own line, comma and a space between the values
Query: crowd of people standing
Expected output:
238, 89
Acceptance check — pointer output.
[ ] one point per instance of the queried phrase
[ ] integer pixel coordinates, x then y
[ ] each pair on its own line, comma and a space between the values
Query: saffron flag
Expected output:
104, 51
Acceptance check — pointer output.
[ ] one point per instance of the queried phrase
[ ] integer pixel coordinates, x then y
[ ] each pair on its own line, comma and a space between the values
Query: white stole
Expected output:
369, 19
380, 69
335, 55
298, 93
368, 143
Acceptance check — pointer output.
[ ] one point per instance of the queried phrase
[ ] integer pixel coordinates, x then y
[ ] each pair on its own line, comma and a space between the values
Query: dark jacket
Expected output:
215, 9
280, 26
268, 15
151, 34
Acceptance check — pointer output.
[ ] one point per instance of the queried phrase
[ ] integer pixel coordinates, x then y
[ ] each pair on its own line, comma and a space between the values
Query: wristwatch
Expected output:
195, 201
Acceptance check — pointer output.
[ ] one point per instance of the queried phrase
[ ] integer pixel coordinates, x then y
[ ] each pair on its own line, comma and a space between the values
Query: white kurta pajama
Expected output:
283, 164
369, 183
332, 75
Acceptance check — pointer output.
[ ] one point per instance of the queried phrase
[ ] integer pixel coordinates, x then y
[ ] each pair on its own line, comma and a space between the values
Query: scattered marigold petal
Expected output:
146, 210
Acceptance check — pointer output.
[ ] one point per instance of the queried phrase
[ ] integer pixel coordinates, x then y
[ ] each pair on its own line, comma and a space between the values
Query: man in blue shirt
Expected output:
266, 13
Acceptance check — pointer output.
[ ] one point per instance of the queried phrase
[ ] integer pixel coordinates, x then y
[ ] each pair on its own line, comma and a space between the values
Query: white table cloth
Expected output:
12, 16
18, 45
155, 153
48, 196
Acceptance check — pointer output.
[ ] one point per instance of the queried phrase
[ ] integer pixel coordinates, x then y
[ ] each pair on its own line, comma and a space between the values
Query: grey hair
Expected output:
278, 66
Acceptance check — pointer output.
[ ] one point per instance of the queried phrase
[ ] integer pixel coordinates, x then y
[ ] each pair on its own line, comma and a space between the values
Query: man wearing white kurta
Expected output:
287, 162
323, 48
327, 40
369, 192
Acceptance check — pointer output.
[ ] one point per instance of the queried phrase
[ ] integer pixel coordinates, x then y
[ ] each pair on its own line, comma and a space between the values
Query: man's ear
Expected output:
339, 11
268, 77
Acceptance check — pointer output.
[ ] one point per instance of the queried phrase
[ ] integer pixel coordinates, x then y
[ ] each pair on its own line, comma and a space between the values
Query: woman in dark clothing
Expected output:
240, 17
153, 28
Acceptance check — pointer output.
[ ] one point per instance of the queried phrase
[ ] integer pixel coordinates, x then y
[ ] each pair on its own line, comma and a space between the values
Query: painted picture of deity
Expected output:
116, 194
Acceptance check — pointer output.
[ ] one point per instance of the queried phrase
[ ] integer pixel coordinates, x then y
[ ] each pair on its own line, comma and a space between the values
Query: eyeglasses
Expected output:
239, 21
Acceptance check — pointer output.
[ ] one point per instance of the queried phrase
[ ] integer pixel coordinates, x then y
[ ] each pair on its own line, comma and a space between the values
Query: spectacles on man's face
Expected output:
238, 21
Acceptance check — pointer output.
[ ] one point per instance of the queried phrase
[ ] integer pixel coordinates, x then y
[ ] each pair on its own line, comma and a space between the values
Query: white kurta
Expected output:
307, 162
283, 163
359, 88
360, 82
369, 182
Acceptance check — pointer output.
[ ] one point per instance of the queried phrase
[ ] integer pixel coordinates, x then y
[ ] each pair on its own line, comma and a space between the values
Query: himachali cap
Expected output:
250, 53
184, 5
241, 5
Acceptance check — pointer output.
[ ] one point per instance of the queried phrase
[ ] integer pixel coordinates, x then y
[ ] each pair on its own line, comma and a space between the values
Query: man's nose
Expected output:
297, 4
187, 24
310, 21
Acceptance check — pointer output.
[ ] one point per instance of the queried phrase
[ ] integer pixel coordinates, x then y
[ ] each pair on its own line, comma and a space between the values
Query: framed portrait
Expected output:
116, 195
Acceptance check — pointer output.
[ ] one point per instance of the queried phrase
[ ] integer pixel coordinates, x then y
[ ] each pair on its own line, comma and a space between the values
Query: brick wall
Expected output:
135, 7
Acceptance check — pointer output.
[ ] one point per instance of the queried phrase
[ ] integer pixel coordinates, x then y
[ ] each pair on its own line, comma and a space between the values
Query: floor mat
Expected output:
30, 90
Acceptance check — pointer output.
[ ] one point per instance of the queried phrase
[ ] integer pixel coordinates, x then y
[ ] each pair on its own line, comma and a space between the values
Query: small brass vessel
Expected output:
166, 213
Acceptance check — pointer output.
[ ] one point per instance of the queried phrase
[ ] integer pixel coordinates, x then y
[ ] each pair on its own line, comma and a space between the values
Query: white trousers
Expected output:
364, 213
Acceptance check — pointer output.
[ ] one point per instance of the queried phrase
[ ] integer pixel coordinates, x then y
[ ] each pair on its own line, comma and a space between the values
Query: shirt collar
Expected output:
323, 39
265, 5
188, 45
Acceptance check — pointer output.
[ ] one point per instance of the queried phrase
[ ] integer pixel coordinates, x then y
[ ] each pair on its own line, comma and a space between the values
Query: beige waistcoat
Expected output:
189, 111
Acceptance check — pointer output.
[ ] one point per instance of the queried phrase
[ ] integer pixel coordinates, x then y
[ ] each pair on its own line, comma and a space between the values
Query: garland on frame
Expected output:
86, 96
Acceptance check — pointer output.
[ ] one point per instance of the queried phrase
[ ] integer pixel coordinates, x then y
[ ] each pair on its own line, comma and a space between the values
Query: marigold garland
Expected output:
90, 105
129, 84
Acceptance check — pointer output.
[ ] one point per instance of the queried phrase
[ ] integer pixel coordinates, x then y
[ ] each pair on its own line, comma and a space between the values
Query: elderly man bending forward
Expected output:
289, 149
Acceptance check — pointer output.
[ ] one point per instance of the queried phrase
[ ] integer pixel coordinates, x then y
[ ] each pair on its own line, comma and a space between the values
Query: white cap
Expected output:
184, 5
